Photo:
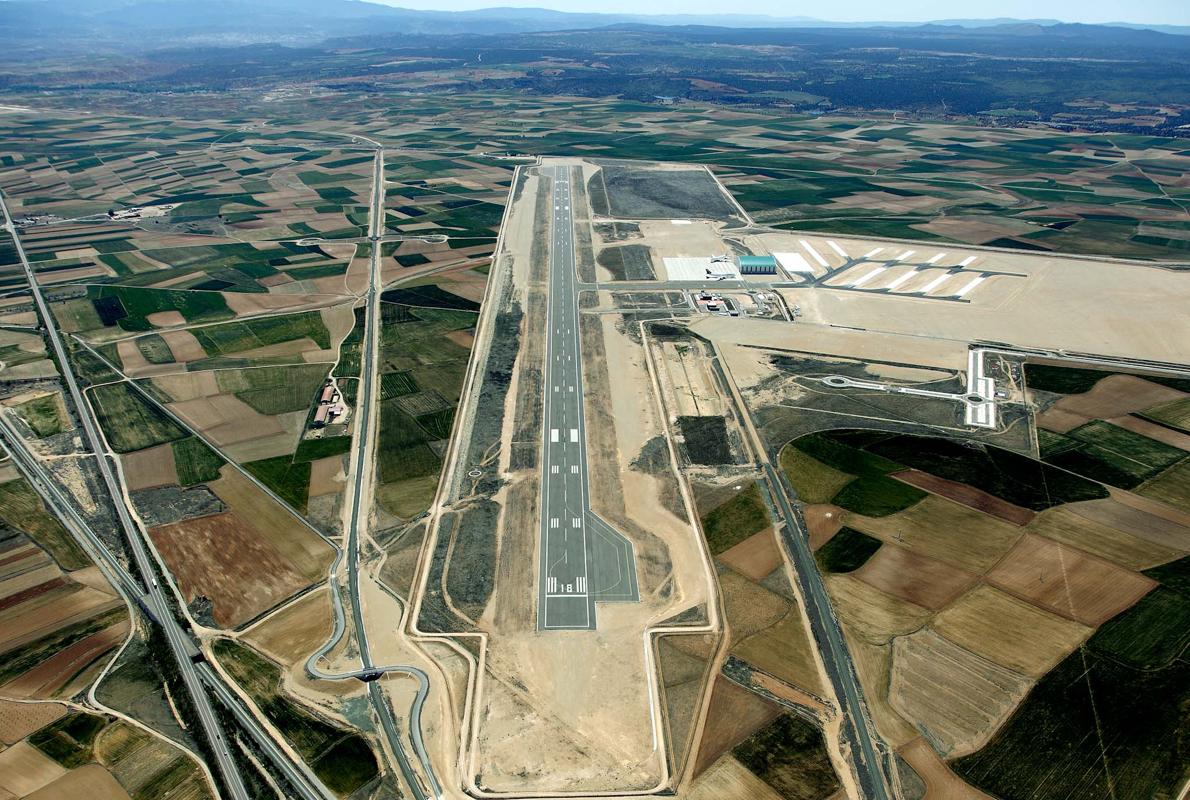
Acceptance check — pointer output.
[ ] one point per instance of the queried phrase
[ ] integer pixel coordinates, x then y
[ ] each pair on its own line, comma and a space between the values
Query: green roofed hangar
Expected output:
758, 265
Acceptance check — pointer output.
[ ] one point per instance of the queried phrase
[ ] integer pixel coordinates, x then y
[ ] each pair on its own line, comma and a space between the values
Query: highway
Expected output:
873, 772
307, 785
362, 478
869, 765
154, 598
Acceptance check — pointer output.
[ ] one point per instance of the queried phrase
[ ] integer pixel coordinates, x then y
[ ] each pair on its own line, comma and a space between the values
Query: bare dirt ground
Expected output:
947, 531
1066, 525
295, 631
541, 725
149, 468
755, 557
24, 770
728, 779
1068, 582
921, 580
18, 720
222, 558
954, 697
88, 782
1135, 307
1114, 396
734, 714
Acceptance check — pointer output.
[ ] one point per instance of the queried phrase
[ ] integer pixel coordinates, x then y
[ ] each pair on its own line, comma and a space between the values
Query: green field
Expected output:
154, 349
71, 740
1109, 720
736, 520
1012, 477
275, 390
129, 421
847, 551
813, 481
22, 508
236, 337
418, 363
1111, 454
43, 415
1062, 380
195, 462
314, 449
872, 493
129, 307
1174, 414
340, 757
288, 478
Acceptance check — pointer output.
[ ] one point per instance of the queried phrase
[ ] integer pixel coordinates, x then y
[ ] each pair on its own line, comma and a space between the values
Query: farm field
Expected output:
72, 754
59, 616
971, 607
422, 365
1008, 596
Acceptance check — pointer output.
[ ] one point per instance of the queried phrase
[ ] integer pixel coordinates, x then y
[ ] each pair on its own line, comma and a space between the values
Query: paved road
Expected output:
362, 478
306, 784
180, 644
869, 763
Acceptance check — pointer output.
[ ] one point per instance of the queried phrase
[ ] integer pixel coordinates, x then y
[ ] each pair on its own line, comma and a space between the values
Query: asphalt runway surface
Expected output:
583, 559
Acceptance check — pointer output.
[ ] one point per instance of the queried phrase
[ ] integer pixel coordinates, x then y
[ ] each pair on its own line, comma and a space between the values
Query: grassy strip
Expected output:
42, 414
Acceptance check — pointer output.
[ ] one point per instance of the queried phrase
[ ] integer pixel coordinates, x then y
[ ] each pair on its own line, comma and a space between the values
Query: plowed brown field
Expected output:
1067, 581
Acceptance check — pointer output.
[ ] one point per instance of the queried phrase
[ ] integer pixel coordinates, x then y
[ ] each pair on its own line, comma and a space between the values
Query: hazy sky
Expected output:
1169, 12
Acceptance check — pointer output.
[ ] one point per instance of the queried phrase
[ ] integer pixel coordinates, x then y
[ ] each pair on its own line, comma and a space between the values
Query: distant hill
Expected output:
152, 24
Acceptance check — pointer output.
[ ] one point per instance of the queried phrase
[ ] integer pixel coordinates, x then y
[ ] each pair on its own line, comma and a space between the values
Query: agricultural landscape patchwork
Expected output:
849, 455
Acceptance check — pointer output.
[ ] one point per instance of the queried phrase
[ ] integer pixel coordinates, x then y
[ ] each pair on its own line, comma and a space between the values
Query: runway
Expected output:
583, 559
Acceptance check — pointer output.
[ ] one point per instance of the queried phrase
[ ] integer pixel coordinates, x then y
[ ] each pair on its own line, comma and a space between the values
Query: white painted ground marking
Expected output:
793, 262
813, 253
974, 282
679, 222
554, 469
574, 434
871, 253
868, 277
576, 523
574, 469
935, 283
900, 280
837, 249
555, 522
904, 255
553, 434
966, 262
936, 259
